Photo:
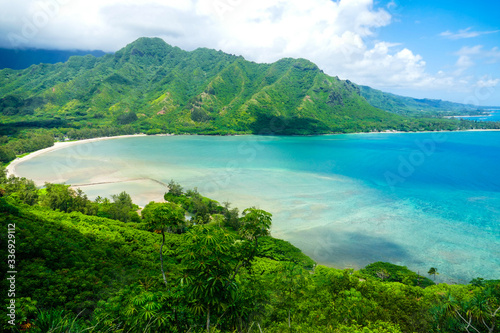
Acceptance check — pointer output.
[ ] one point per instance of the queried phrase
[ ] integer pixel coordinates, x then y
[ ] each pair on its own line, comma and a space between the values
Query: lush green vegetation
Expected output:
193, 264
418, 107
151, 87
97, 266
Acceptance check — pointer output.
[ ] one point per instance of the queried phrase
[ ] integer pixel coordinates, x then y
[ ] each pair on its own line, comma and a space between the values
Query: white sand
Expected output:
11, 168
402, 132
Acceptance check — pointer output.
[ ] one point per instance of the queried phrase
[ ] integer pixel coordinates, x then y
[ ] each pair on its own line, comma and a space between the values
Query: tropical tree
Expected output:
174, 188
478, 313
6, 154
82, 204
164, 217
209, 260
123, 209
213, 257
24, 189
3, 175
288, 282
58, 196
433, 271
255, 223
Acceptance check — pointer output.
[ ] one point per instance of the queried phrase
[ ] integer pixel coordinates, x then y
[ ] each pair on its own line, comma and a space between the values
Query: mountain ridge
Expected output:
159, 88
406, 105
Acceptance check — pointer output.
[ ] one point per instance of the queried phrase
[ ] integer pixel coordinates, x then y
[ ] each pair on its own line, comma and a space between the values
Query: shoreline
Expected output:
402, 132
60, 145
11, 168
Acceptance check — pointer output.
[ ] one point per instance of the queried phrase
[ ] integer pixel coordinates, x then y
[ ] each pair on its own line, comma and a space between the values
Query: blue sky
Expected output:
437, 49
450, 36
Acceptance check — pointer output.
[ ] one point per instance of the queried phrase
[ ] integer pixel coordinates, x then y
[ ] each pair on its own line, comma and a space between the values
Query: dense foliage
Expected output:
151, 87
193, 265
418, 107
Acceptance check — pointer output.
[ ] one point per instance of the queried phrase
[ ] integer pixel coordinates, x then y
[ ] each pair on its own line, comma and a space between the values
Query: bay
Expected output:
494, 115
416, 199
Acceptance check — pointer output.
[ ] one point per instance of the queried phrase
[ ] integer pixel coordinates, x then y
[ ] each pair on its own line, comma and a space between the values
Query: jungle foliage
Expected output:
194, 265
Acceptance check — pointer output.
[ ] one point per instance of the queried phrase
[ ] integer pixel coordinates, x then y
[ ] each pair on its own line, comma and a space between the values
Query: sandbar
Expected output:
11, 168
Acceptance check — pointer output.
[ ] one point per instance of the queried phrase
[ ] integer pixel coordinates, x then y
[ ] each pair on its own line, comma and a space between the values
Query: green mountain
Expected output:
155, 88
417, 107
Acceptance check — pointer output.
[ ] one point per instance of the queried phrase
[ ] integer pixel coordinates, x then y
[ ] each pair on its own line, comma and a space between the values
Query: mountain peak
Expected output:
145, 47
202, 91
148, 42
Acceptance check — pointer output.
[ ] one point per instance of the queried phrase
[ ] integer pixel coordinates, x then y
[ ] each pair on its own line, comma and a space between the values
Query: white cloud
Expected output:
386, 67
487, 81
293, 25
493, 55
466, 33
468, 50
467, 53
464, 62
339, 36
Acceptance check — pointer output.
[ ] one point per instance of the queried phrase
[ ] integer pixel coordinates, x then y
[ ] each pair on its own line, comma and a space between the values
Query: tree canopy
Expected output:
79, 271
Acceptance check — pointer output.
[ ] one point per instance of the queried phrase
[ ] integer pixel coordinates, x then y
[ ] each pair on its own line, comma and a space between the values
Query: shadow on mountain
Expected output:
280, 125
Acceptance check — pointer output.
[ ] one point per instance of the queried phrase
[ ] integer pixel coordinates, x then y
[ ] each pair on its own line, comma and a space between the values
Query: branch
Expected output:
484, 323
242, 263
496, 311
467, 322
161, 257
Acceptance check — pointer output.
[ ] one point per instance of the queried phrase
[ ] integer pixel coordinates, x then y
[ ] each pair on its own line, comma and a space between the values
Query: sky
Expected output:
420, 48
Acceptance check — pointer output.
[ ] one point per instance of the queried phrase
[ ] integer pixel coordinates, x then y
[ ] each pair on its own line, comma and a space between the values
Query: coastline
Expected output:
11, 168
402, 132
61, 145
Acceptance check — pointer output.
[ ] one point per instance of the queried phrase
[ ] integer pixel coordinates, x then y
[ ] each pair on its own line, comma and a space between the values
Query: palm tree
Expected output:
433, 271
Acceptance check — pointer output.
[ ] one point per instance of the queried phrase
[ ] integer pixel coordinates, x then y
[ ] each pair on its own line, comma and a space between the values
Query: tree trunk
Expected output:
289, 323
161, 257
208, 320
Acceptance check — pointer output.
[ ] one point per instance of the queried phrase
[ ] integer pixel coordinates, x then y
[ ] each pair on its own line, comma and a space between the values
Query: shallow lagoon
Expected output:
416, 199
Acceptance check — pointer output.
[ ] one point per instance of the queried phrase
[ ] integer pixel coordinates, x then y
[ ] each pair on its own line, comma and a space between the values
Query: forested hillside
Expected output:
162, 88
99, 266
418, 107
151, 87
157, 88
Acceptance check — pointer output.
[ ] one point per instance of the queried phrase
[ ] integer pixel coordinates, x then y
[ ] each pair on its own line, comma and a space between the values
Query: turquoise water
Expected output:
416, 199
493, 116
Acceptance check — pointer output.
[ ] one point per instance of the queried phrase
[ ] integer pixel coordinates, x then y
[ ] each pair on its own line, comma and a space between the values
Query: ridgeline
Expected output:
157, 88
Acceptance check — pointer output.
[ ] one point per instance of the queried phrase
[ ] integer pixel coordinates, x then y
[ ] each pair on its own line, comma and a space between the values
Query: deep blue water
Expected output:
416, 199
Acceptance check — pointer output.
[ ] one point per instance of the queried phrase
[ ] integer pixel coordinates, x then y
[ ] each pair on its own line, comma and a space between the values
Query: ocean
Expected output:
494, 115
415, 199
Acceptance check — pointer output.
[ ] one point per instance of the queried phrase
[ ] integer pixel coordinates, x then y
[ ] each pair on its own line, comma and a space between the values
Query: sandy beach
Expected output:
402, 132
11, 168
